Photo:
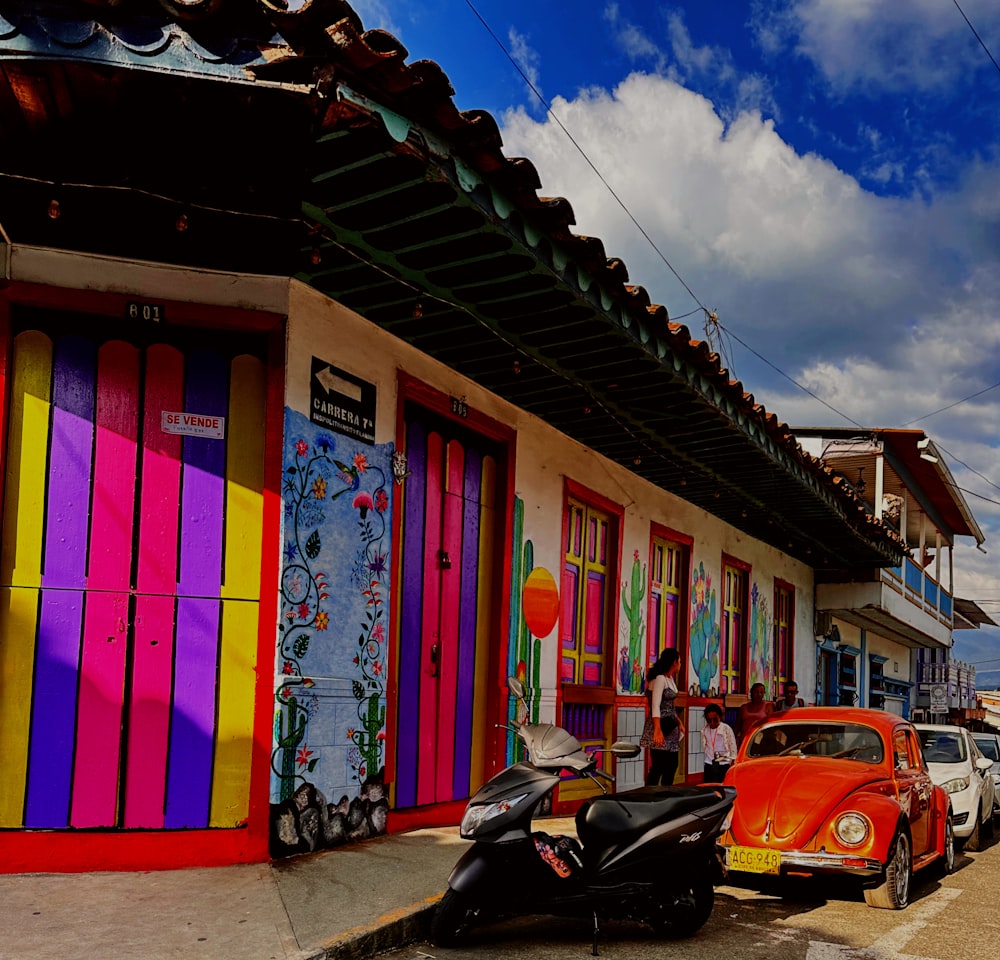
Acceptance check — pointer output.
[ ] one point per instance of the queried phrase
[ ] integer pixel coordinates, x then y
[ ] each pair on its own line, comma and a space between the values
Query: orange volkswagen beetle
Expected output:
838, 790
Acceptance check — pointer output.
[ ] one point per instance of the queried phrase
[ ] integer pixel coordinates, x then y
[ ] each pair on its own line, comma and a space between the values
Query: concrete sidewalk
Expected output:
345, 904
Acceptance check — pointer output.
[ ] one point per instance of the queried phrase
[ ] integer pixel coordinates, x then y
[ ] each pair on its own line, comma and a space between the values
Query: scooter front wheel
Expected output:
683, 909
453, 918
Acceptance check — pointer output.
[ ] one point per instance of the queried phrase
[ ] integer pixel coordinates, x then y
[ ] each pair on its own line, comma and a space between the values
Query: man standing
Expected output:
790, 699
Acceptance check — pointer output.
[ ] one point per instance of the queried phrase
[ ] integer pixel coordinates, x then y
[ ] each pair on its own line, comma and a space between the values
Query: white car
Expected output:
989, 745
956, 763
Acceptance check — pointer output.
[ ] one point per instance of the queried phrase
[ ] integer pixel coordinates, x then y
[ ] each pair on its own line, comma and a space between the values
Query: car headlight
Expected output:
482, 812
957, 785
852, 829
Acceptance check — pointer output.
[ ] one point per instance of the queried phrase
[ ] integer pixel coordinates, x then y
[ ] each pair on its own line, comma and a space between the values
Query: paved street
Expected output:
949, 918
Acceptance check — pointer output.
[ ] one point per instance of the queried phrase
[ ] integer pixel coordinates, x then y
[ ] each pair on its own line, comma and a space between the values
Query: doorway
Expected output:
449, 628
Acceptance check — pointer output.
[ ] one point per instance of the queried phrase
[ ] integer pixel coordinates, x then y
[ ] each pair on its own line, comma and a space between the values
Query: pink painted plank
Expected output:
105, 631
99, 716
451, 585
149, 713
159, 502
112, 509
430, 625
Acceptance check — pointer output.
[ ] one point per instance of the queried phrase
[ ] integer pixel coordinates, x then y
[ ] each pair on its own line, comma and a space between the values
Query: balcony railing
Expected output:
920, 588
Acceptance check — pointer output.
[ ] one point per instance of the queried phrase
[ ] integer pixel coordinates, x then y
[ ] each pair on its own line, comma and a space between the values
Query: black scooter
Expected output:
646, 855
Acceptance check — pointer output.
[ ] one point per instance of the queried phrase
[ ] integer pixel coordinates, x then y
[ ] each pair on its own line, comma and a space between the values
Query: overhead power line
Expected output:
975, 33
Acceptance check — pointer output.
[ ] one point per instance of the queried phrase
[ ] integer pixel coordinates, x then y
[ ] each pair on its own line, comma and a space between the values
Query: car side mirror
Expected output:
983, 763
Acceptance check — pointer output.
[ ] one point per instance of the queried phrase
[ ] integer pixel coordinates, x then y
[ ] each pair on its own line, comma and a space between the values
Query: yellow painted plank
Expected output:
234, 731
484, 622
27, 452
18, 627
244, 479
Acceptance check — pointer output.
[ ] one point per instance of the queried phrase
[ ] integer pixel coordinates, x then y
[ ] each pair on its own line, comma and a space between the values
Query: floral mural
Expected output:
329, 717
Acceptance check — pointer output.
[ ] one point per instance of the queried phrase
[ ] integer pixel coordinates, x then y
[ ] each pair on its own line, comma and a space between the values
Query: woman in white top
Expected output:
663, 731
718, 743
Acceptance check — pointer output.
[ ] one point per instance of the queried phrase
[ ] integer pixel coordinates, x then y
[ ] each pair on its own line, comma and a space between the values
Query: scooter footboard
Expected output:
510, 871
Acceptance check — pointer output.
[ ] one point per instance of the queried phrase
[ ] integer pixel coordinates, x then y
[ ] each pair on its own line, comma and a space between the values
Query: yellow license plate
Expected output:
754, 859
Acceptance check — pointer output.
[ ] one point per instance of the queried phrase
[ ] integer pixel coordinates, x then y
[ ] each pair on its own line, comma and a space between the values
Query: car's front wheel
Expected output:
949, 845
974, 841
893, 893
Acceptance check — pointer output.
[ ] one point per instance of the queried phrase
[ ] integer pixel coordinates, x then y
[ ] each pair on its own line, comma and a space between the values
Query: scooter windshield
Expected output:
549, 745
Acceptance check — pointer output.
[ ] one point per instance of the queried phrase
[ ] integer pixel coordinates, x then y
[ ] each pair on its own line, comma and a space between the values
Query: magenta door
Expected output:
446, 609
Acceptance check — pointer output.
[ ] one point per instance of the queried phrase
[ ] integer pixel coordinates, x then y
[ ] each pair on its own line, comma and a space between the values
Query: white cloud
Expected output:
888, 309
528, 59
888, 45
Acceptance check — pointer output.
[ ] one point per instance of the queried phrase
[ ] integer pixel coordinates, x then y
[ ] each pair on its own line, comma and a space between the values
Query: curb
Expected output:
391, 932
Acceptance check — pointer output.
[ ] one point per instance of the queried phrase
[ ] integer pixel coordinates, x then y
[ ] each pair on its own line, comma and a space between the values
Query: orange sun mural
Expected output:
540, 602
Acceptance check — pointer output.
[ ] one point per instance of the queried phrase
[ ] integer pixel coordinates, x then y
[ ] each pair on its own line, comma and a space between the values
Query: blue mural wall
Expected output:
328, 749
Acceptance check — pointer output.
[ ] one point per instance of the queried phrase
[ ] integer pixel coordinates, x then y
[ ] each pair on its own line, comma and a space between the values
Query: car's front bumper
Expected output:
795, 861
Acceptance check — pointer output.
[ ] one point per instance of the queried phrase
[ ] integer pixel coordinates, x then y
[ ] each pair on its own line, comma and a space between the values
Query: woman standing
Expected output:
754, 711
664, 730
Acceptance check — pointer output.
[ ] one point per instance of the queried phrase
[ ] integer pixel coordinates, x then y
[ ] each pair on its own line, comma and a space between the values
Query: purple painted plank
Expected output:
53, 709
67, 504
467, 619
192, 717
203, 480
411, 617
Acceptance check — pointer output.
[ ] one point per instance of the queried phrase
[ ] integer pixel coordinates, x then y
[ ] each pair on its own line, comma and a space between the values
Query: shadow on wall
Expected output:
306, 822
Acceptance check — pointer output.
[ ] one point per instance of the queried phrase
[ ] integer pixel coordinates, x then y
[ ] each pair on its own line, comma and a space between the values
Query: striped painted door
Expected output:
448, 544
129, 578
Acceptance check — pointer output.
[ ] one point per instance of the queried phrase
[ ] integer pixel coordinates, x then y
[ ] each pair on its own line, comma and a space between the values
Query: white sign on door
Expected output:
193, 424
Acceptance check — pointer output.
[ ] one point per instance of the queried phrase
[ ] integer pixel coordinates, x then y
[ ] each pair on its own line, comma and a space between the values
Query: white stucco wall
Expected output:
544, 459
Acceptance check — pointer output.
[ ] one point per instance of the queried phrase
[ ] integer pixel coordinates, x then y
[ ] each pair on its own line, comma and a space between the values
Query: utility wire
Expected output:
711, 317
583, 154
975, 33
934, 413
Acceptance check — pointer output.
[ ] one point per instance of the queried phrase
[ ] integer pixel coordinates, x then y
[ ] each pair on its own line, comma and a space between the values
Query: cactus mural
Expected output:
759, 664
630, 679
704, 633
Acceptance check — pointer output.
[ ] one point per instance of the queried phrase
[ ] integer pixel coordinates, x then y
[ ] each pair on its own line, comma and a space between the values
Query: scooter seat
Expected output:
624, 814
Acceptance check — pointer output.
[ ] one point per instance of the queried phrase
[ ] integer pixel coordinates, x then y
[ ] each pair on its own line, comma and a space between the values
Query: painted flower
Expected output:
324, 442
360, 462
378, 631
372, 649
322, 620
377, 668
363, 502
303, 611
287, 667
290, 551
381, 501
350, 733
377, 564
301, 447
356, 660
302, 757
319, 488
635, 556
381, 735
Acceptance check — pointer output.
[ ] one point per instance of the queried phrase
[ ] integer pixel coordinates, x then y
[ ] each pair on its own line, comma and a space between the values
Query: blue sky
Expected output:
822, 174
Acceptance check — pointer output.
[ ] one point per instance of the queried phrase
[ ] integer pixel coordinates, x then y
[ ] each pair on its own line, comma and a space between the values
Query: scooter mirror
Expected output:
622, 748
516, 687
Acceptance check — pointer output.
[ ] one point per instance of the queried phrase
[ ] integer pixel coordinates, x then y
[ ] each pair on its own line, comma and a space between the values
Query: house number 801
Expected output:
144, 311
